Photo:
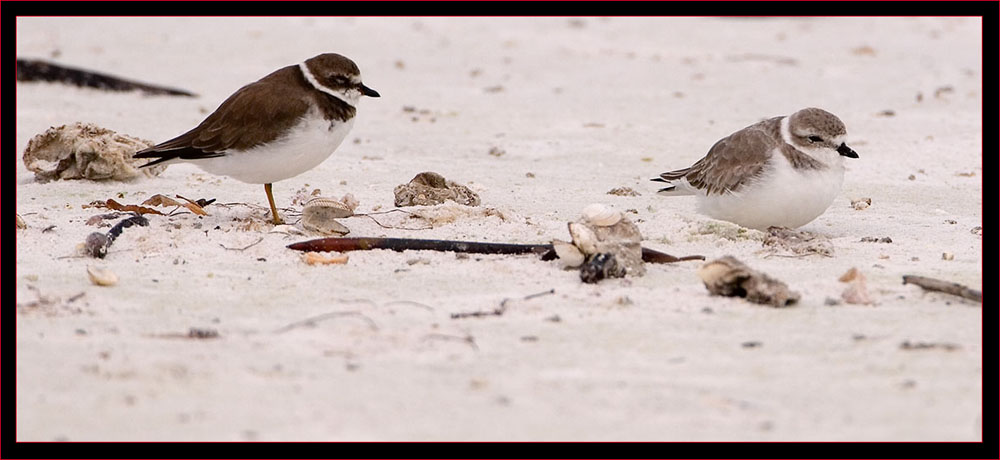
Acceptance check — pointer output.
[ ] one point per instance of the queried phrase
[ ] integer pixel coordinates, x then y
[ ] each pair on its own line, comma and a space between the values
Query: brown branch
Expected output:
37, 70
946, 287
474, 247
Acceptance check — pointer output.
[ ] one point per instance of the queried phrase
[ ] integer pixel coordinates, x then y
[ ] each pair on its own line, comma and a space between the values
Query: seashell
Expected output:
20, 222
569, 255
329, 206
584, 237
600, 215
101, 276
319, 214
315, 258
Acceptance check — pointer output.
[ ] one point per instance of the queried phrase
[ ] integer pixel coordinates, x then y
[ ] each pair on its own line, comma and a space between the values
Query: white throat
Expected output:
350, 97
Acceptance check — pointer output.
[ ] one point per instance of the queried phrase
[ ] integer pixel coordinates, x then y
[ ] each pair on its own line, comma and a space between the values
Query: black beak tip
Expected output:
846, 151
369, 92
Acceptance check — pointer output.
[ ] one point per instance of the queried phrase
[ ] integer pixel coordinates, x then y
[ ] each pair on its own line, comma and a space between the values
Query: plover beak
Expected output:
846, 151
369, 92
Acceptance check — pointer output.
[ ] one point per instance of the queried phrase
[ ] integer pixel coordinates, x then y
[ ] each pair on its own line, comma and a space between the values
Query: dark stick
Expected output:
932, 284
36, 70
474, 247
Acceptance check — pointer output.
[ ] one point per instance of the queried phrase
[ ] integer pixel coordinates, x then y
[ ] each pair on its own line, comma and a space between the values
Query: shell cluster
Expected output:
602, 230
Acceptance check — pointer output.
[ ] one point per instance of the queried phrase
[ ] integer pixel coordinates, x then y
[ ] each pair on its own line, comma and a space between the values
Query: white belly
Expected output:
783, 197
304, 148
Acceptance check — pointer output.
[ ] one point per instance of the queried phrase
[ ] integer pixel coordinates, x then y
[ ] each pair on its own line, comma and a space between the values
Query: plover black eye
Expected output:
815, 139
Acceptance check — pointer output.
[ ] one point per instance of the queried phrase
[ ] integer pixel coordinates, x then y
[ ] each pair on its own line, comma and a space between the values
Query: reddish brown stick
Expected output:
474, 247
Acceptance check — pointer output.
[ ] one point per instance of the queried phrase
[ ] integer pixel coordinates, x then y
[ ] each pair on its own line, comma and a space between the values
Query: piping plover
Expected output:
275, 128
781, 172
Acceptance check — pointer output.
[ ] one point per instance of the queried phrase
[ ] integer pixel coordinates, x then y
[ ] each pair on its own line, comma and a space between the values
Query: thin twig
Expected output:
498, 311
409, 302
311, 321
243, 249
932, 284
380, 224
454, 338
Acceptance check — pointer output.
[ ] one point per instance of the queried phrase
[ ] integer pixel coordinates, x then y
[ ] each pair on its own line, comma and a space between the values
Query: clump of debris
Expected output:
86, 151
430, 188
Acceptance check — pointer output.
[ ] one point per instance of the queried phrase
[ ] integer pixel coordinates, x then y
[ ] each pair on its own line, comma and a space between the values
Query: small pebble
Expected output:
947, 256
101, 276
861, 204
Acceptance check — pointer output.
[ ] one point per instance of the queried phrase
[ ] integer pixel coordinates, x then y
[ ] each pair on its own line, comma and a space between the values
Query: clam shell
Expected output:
319, 214
20, 222
101, 276
328, 206
601, 216
584, 237
569, 255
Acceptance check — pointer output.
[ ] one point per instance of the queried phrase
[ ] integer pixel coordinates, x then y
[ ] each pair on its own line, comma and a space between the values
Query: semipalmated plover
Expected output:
782, 172
275, 128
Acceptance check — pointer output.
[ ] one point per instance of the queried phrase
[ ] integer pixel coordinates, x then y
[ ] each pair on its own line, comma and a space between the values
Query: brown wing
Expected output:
732, 161
255, 114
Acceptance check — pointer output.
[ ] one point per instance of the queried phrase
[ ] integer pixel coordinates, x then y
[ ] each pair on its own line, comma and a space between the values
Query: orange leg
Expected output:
270, 200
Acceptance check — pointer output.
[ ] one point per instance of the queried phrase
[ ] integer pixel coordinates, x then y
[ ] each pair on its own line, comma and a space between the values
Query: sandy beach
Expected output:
541, 117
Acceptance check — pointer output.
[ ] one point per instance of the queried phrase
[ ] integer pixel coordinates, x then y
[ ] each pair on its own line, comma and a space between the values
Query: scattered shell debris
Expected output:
604, 232
497, 151
861, 204
430, 188
319, 215
729, 277
101, 276
623, 191
857, 290
86, 151
316, 258
873, 239
797, 242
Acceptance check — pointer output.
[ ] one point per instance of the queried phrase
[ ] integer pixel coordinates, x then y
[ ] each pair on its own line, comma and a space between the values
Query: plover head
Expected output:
337, 76
819, 133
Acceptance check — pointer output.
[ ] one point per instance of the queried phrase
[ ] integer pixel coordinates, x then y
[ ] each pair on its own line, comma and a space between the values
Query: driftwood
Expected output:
947, 287
402, 244
37, 70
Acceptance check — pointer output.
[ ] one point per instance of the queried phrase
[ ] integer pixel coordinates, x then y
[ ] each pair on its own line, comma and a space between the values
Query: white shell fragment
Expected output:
583, 237
286, 230
569, 255
101, 276
316, 258
20, 222
601, 216
319, 214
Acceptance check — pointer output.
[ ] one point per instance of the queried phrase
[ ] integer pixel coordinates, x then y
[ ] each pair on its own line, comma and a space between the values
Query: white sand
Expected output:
586, 105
